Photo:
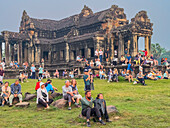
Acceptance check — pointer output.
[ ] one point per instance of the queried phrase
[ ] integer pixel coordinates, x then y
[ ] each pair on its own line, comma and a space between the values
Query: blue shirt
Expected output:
86, 82
129, 57
129, 67
15, 89
49, 87
33, 69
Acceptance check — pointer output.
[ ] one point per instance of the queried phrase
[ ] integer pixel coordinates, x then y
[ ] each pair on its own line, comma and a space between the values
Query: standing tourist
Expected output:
33, 71
2, 74
101, 55
40, 72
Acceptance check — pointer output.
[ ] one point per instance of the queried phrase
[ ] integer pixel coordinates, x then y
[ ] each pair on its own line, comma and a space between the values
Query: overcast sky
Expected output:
158, 12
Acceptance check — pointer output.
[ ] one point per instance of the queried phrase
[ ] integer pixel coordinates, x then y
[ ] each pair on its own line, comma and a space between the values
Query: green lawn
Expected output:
139, 107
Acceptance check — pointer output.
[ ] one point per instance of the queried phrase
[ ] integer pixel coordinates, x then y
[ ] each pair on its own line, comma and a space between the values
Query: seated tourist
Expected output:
101, 73
16, 64
154, 60
23, 77
110, 75
140, 78
76, 94
49, 86
123, 73
42, 96
56, 74
47, 74
15, 92
166, 76
12, 65
136, 60
166, 62
159, 74
162, 61
71, 74
98, 63
78, 59
75, 72
115, 75
151, 75
122, 60
91, 63
38, 84
88, 110
100, 104
67, 93
6, 91
65, 73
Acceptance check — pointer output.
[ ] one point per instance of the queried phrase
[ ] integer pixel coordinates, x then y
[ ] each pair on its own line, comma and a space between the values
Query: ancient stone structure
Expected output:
59, 42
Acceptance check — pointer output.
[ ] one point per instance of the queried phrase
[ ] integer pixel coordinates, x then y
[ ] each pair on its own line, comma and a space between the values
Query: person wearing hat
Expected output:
38, 84
141, 78
42, 96
86, 78
67, 93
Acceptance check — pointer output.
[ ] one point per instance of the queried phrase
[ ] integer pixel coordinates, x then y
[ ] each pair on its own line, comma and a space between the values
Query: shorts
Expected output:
40, 74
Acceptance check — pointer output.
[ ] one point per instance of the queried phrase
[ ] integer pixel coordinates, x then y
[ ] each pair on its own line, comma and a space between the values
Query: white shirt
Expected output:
100, 52
96, 53
115, 52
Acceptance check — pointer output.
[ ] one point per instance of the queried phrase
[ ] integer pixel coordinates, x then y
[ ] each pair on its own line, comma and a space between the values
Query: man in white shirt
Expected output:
96, 53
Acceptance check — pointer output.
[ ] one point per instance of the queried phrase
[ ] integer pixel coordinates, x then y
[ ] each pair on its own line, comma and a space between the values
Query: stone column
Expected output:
120, 46
32, 54
12, 52
26, 53
128, 47
6, 51
37, 54
0, 51
134, 45
20, 59
112, 48
49, 54
148, 44
67, 52
86, 51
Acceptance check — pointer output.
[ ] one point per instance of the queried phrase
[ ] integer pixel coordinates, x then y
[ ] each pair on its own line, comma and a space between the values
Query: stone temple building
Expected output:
60, 42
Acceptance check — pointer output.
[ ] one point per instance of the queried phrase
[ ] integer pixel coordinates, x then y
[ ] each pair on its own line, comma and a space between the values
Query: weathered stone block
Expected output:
29, 96
23, 104
60, 103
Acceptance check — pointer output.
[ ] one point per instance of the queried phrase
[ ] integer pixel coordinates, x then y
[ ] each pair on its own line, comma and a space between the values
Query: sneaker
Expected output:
10, 105
88, 124
69, 108
107, 120
101, 121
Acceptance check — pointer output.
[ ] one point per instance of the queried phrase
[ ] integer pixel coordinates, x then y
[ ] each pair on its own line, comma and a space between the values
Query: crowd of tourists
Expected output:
70, 89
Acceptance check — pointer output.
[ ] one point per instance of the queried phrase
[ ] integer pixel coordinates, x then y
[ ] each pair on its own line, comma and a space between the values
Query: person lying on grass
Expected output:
15, 92
67, 93
42, 96
76, 94
88, 110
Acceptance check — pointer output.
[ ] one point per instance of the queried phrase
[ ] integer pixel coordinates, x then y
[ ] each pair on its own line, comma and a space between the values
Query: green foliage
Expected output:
138, 106
157, 50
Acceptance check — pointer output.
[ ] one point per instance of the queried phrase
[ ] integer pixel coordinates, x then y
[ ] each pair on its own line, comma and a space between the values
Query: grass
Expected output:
138, 106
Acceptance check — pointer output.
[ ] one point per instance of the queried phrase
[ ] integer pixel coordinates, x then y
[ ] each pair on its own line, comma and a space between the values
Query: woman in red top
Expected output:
37, 85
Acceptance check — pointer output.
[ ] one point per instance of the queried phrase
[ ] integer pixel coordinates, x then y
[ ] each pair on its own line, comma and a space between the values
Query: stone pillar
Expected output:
86, 51
12, 52
0, 51
134, 45
32, 54
37, 54
6, 51
26, 53
112, 48
148, 44
20, 58
128, 47
120, 46
49, 54
67, 52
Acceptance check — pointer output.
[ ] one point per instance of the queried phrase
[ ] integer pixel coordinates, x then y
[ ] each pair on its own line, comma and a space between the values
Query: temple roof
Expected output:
46, 24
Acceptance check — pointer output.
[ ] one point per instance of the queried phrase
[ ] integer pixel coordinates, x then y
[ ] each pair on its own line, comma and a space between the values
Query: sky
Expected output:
11, 12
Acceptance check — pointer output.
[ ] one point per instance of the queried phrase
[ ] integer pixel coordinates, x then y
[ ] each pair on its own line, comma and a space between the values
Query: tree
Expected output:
157, 50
